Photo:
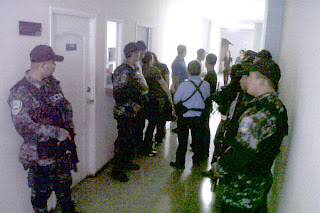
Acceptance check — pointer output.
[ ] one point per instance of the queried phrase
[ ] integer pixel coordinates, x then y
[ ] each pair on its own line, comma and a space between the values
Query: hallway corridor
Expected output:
155, 188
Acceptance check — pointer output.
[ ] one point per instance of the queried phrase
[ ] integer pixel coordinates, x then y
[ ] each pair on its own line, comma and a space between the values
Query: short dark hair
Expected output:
147, 58
194, 68
200, 52
141, 45
129, 49
211, 59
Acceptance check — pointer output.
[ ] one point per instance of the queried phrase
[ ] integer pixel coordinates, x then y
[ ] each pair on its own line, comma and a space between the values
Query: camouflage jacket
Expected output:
36, 122
247, 161
127, 91
261, 128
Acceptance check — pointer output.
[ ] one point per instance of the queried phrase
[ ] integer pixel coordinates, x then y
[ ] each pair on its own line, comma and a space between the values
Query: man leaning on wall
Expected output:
245, 165
43, 117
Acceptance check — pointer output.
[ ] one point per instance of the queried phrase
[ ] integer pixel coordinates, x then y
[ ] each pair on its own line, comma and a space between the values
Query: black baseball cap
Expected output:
43, 53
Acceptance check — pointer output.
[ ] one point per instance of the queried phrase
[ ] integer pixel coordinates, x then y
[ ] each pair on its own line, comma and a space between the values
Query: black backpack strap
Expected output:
194, 92
197, 89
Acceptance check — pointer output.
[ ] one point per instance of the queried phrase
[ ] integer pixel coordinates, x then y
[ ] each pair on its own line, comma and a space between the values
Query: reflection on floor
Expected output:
156, 187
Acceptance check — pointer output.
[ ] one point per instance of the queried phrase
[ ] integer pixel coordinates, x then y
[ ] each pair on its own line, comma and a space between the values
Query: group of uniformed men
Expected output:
248, 141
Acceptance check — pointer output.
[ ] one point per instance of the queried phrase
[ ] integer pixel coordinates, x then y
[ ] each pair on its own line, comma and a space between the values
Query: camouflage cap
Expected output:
237, 71
267, 68
264, 54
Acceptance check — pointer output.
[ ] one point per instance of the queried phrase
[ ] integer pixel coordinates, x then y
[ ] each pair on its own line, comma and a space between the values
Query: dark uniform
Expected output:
211, 77
229, 125
246, 162
38, 111
127, 94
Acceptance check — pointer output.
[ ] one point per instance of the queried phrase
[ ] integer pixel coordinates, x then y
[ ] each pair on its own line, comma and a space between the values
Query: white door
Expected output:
71, 38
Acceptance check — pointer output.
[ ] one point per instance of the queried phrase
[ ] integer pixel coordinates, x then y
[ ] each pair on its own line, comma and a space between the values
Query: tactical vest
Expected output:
52, 111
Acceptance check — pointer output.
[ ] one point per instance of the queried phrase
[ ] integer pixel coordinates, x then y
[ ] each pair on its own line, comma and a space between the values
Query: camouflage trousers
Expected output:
43, 180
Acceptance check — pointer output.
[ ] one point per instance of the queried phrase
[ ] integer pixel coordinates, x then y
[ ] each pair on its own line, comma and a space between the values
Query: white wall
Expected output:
240, 39
295, 191
299, 61
257, 38
273, 27
183, 24
215, 44
14, 61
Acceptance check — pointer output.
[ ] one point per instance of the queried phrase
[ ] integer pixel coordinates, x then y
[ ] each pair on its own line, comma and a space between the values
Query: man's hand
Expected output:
63, 135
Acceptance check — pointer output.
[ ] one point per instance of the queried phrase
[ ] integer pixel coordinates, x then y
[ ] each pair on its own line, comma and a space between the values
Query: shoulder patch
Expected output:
245, 124
16, 107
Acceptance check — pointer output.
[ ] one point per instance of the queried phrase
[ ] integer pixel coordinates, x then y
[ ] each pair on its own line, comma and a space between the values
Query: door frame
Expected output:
120, 23
150, 27
90, 132
119, 43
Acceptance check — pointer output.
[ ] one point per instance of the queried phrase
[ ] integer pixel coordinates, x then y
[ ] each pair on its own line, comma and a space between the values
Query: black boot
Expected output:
119, 175
68, 207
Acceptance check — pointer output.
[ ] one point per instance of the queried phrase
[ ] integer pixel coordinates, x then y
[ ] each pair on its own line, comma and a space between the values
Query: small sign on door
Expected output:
71, 47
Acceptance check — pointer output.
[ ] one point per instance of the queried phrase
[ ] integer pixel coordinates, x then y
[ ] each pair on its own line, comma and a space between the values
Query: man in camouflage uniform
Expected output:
43, 117
127, 92
245, 165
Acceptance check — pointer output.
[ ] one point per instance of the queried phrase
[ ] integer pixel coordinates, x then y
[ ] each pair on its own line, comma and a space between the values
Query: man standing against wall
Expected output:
43, 117
127, 92
246, 162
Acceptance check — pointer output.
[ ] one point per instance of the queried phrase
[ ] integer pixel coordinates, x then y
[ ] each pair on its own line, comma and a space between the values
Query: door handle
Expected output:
90, 101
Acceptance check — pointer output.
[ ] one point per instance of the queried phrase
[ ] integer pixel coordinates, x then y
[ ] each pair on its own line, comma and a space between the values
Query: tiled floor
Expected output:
156, 187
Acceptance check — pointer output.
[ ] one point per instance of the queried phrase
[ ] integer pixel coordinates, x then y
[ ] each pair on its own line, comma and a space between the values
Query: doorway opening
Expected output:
113, 53
144, 33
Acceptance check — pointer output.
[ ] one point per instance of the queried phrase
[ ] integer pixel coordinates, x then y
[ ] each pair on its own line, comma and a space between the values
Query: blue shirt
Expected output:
179, 69
186, 89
